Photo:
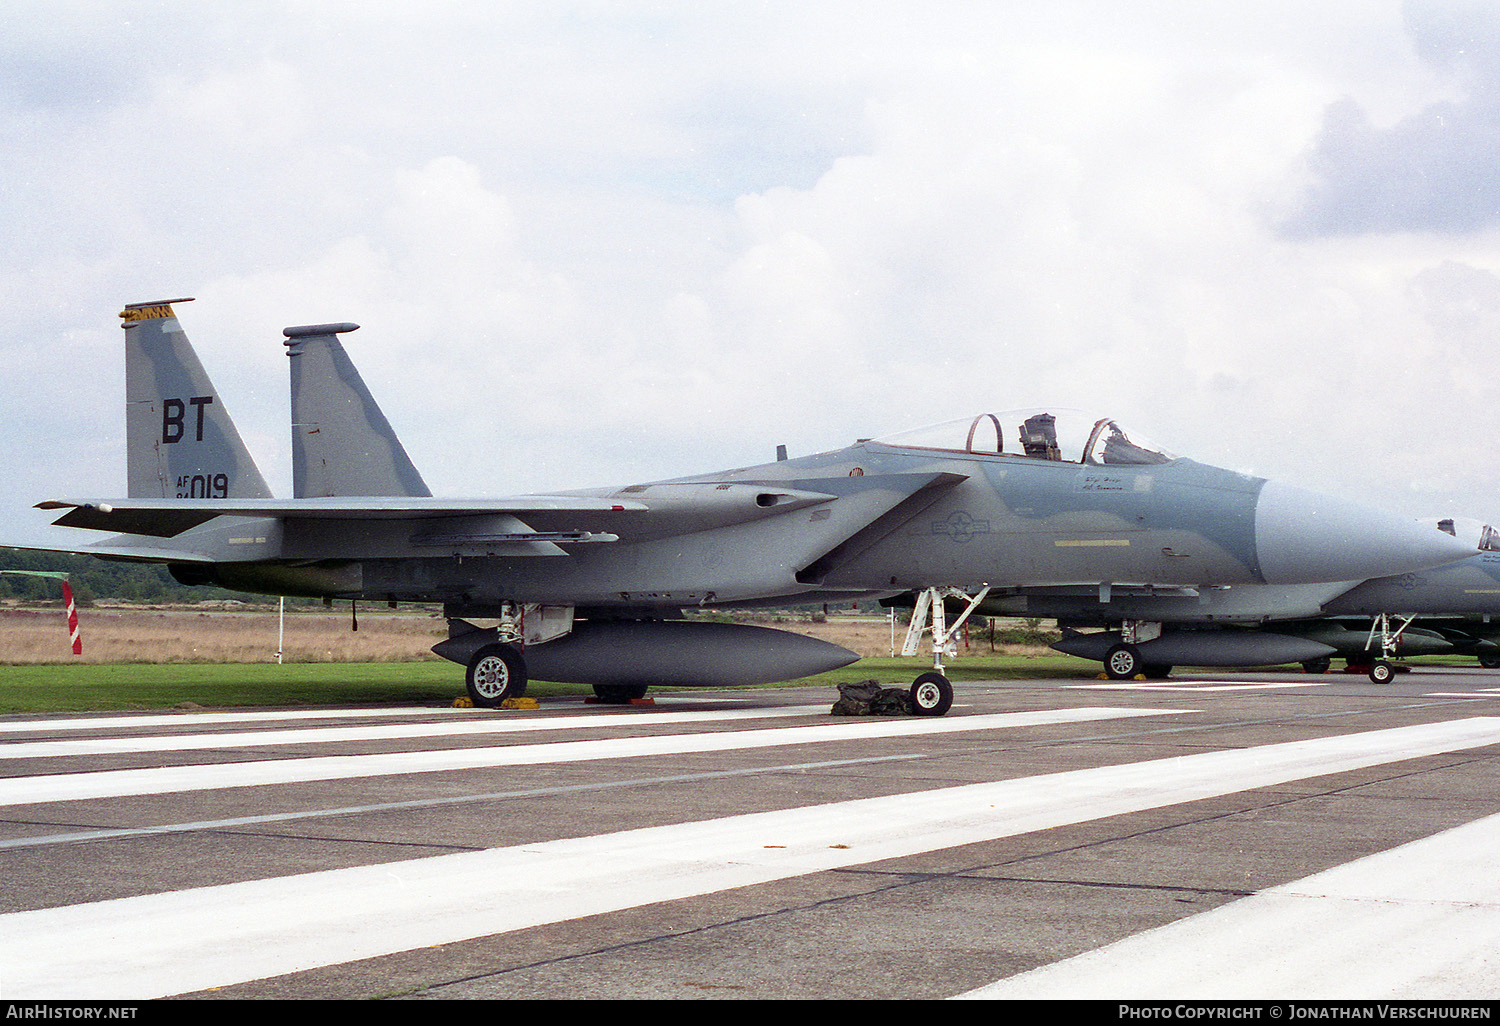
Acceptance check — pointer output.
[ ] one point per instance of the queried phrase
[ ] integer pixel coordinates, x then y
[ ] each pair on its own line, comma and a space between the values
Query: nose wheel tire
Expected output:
496, 672
1382, 672
931, 695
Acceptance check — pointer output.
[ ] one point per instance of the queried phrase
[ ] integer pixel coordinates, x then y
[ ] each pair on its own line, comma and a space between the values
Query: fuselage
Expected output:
873, 519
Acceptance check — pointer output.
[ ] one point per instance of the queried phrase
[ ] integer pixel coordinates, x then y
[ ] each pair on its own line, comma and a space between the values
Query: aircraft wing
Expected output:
662, 509
166, 518
414, 523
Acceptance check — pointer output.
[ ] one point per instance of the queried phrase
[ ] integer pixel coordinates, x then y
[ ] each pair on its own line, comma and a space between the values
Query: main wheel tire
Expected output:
1318, 665
1490, 660
1123, 662
931, 695
619, 694
496, 672
1382, 672
1157, 671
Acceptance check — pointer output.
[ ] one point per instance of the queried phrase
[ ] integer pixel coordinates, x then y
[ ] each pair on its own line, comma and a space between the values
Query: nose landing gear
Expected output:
931, 693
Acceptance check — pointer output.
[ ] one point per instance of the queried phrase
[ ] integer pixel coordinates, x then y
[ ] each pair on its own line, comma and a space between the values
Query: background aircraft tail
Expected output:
180, 442
341, 442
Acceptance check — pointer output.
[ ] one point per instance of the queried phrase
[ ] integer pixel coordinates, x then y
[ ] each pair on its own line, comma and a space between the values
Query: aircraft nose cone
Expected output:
1303, 537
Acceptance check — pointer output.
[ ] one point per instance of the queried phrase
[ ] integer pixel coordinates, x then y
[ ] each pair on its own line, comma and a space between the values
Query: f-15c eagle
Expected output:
594, 586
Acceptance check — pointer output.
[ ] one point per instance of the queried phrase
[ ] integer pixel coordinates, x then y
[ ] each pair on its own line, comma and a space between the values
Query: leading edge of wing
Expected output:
165, 518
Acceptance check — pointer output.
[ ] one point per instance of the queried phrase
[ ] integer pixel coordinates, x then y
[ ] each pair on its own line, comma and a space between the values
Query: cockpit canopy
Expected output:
1044, 433
1484, 537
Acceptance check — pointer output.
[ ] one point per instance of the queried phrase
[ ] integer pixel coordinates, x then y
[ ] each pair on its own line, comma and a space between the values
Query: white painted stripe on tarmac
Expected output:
376, 732
57, 724
470, 798
1197, 686
53, 724
64, 787
162, 944
1418, 922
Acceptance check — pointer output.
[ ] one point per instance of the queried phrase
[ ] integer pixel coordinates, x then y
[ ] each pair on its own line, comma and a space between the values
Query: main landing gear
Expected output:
1321, 664
1124, 662
496, 665
496, 672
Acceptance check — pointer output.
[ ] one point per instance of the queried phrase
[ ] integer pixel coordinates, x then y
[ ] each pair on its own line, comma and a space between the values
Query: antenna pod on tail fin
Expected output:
341, 442
179, 440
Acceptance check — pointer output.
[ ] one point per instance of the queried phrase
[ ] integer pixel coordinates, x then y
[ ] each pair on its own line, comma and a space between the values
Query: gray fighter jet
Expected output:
1451, 608
1150, 630
592, 586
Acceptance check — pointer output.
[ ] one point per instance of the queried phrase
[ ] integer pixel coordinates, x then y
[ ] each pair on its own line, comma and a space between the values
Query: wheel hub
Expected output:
491, 677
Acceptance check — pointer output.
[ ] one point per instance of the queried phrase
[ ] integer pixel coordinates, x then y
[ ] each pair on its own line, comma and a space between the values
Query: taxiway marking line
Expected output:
61, 787
373, 732
56, 724
1193, 687
105, 833
1421, 921
53, 724
178, 942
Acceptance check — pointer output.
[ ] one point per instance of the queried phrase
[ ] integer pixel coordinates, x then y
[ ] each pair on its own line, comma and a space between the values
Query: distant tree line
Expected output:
93, 578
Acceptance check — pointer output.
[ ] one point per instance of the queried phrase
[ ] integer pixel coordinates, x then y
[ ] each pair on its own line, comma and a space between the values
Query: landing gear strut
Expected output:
931, 693
1124, 661
495, 656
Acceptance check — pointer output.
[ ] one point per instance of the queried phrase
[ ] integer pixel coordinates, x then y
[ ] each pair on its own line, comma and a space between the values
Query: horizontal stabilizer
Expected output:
140, 549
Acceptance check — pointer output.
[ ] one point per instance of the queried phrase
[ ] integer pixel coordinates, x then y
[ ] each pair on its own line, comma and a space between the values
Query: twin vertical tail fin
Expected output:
180, 441
342, 443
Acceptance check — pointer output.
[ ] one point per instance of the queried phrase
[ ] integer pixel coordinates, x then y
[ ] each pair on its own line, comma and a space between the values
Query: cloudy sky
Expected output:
596, 243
